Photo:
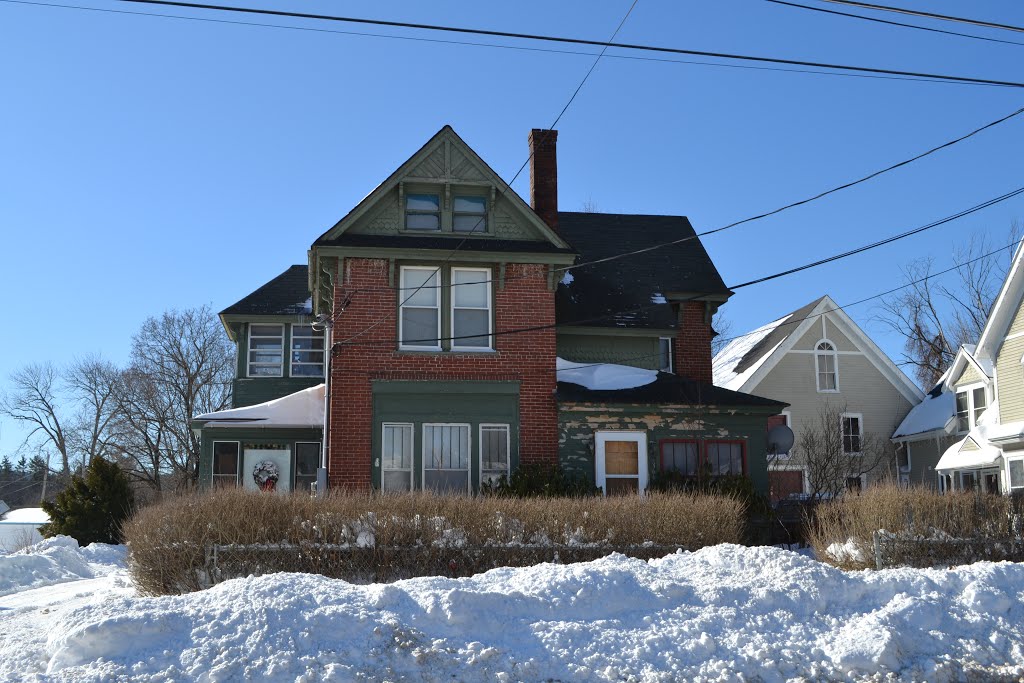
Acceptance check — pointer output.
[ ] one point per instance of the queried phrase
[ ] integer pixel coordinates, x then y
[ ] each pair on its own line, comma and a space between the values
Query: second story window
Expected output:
307, 353
470, 214
266, 350
422, 212
826, 362
970, 404
665, 354
471, 308
419, 296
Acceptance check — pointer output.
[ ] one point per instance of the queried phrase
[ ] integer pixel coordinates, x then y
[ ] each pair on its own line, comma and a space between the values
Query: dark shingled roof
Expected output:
773, 338
444, 243
286, 294
666, 389
632, 284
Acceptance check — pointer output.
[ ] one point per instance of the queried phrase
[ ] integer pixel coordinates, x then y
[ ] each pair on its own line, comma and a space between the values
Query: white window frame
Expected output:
671, 354
834, 352
508, 446
213, 462
1010, 488
291, 340
248, 351
403, 295
487, 280
412, 452
860, 436
601, 476
423, 453
969, 389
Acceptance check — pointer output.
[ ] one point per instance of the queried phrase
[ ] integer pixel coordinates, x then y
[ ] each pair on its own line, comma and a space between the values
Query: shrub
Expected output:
544, 481
914, 513
168, 542
93, 508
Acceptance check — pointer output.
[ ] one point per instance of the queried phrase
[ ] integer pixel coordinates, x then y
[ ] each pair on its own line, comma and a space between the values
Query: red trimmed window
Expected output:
725, 458
680, 456
691, 458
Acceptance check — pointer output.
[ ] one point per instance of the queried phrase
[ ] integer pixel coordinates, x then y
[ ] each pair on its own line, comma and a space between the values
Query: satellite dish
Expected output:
780, 439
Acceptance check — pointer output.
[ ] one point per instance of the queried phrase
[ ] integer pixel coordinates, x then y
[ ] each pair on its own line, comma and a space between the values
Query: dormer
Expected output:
970, 378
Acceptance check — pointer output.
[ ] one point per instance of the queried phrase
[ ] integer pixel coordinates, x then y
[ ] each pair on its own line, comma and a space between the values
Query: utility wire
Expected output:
892, 23
930, 15
522, 48
505, 189
575, 41
638, 309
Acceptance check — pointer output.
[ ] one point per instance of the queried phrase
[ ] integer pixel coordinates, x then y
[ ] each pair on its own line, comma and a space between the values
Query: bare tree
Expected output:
835, 451
181, 366
936, 318
92, 383
723, 327
36, 400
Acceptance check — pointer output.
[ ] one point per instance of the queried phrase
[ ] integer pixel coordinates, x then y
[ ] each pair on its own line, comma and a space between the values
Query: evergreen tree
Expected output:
37, 467
6, 468
92, 509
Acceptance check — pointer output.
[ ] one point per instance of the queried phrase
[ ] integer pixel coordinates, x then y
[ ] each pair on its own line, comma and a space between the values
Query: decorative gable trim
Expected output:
446, 159
1004, 309
963, 359
828, 308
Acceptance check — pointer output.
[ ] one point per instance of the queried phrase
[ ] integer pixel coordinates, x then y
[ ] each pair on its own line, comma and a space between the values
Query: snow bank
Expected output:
56, 560
603, 376
20, 528
722, 613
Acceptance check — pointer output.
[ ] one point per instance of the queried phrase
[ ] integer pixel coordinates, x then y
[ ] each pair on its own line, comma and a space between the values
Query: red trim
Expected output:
702, 451
743, 450
661, 453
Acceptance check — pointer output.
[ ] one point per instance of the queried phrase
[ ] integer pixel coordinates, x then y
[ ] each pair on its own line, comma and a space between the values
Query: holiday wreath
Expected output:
266, 474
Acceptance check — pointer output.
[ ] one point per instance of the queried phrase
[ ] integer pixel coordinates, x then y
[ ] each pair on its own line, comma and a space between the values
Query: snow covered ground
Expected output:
723, 613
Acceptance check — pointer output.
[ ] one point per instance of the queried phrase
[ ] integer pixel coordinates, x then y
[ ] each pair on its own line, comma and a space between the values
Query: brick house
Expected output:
468, 333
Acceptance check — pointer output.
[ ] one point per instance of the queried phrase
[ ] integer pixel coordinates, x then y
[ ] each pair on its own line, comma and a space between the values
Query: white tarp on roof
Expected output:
725, 362
302, 409
603, 376
956, 458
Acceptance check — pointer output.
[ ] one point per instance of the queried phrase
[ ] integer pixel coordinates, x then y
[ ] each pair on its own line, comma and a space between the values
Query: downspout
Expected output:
321, 472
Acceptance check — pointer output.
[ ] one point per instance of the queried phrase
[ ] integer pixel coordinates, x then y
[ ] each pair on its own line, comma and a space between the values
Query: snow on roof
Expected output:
25, 516
724, 364
603, 376
956, 458
931, 414
302, 409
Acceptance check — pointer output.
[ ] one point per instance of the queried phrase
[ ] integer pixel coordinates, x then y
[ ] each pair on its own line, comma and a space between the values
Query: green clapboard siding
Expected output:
469, 402
253, 390
640, 352
577, 429
248, 436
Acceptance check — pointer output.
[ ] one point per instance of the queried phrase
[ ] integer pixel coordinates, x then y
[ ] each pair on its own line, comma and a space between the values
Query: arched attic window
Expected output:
826, 362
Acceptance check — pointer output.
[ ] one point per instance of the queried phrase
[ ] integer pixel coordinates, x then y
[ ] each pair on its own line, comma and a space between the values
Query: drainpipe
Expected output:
321, 472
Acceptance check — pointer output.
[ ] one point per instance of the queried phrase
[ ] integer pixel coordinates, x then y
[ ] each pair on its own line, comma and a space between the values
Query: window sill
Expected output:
441, 352
452, 233
828, 391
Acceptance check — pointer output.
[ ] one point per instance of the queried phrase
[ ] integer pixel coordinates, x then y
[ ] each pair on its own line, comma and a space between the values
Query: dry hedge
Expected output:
412, 534
936, 528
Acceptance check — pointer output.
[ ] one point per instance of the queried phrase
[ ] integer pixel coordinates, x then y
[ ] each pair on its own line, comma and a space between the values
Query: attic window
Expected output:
826, 361
470, 214
422, 212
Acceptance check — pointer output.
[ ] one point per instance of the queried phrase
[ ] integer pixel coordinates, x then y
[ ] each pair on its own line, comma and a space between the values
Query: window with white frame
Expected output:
827, 365
852, 433
225, 464
665, 354
970, 404
419, 296
469, 214
396, 457
422, 212
307, 352
446, 454
266, 350
1015, 470
494, 448
471, 308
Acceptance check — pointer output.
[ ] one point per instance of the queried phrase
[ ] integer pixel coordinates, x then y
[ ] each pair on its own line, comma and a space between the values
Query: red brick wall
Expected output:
525, 301
544, 175
693, 342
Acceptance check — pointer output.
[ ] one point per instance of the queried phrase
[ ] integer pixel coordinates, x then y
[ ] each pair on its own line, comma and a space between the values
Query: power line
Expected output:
505, 189
575, 41
892, 23
930, 15
790, 271
521, 48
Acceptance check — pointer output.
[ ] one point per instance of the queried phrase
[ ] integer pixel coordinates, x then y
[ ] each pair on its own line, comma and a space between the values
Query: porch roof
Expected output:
302, 409
957, 458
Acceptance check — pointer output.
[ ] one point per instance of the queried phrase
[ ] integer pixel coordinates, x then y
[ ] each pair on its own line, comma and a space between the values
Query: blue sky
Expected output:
152, 163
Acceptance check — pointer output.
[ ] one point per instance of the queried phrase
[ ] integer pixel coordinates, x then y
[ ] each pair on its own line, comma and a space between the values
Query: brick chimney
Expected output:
693, 342
544, 175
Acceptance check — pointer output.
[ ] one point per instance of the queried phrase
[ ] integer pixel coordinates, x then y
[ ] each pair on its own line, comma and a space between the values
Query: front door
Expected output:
621, 462
784, 483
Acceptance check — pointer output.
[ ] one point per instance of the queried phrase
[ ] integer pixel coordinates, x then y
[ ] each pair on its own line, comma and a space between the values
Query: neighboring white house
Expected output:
19, 528
987, 381
814, 356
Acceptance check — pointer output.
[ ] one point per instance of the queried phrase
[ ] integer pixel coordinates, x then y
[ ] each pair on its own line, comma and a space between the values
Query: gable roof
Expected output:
934, 414
966, 356
635, 291
1001, 317
286, 294
778, 337
446, 136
